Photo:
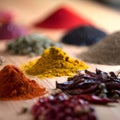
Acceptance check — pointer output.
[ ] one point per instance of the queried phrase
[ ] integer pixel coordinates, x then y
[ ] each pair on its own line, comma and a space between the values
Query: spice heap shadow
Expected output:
107, 51
15, 86
32, 45
83, 36
54, 62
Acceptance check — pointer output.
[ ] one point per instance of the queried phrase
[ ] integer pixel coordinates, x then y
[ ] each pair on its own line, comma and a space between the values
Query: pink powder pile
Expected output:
9, 30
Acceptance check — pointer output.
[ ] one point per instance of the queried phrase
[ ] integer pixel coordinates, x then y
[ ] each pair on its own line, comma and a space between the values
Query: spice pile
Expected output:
83, 36
107, 51
15, 86
101, 84
53, 63
8, 29
63, 18
32, 45
60, 107
11, 31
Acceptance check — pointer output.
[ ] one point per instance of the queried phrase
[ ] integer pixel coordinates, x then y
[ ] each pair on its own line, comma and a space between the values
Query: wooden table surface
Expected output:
28, 11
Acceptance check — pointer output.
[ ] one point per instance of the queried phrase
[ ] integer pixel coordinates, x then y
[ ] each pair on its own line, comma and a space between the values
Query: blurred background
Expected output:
112, 3
104, 14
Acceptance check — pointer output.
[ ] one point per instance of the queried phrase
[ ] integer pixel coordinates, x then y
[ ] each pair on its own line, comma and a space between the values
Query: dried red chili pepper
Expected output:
99, 83
95, 99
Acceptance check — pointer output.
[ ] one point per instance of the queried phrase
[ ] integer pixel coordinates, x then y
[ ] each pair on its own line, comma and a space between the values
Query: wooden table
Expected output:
28, 11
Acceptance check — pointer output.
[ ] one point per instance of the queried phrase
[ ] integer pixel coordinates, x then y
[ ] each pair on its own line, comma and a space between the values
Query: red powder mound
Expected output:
63, 18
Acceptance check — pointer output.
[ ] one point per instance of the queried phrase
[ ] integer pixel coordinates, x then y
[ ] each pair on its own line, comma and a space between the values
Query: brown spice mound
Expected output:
14, 85
107, 51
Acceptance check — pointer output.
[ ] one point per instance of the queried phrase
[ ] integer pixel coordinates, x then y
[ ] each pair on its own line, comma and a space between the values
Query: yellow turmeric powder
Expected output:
53, 63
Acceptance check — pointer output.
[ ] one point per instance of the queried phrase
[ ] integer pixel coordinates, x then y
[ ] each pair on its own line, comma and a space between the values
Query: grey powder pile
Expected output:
107, 51
33, 44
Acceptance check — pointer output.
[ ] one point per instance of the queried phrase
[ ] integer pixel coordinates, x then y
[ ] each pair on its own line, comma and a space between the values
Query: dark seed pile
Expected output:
60, 107
83, 36
102, 84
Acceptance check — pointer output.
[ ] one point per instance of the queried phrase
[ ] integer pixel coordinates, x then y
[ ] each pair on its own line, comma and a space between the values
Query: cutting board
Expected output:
10, 110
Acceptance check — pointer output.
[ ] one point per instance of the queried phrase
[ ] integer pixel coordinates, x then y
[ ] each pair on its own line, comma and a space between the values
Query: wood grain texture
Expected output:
11, 109
27, 11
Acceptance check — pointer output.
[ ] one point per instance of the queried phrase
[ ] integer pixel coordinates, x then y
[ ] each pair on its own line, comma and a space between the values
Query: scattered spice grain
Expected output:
23, 111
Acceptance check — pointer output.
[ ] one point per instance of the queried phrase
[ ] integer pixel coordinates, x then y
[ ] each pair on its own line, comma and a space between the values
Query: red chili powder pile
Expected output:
62, 18
14, 85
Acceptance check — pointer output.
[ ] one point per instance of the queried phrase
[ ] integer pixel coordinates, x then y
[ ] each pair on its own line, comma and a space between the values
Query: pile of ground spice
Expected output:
54, 62
14, 85
2, 60
8, 29
83, 36
63, 18
107, 51
32, 45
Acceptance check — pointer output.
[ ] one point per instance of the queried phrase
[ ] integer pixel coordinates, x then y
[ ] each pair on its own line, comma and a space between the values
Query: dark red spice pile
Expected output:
14, 85
60, 107
91, 86
63, 18
11, 31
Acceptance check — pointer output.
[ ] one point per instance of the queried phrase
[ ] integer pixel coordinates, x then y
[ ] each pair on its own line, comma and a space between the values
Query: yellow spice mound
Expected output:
54, 62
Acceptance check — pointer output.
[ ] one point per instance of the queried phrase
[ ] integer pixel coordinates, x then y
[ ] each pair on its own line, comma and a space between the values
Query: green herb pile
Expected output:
32, 45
